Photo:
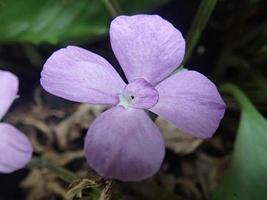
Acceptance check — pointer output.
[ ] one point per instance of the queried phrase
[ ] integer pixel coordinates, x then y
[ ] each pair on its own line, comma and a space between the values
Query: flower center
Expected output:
125, 101
139, 94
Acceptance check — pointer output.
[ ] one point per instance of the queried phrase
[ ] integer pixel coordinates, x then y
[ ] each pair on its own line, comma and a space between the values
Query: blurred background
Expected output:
226, 41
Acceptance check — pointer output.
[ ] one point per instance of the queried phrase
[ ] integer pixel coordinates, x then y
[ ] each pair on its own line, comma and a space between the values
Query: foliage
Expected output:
247, 175
56, 21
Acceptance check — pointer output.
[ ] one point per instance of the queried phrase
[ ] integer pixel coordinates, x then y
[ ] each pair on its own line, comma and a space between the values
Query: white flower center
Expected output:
125, 101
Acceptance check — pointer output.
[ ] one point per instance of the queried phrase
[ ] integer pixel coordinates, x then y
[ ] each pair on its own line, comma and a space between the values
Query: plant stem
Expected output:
62, 173
33, 55
117, 6
114, 9
200, 21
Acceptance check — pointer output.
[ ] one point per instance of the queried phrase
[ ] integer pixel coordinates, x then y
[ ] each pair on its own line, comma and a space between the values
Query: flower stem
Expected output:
113, 7
76, 183
117, 6
200, 21
62, 173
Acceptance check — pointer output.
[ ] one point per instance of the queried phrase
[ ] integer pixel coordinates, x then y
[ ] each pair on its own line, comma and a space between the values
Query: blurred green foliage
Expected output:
247, 175
56, 21
243, 55
202, 16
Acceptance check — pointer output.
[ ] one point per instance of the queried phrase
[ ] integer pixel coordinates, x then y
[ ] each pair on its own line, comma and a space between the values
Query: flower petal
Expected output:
190, 101
15, 149
143, 93
146, 46
124, 144
78, 75
8, 91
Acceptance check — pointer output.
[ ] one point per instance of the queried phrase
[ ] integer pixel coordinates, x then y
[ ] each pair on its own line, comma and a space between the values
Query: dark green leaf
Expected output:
59, 20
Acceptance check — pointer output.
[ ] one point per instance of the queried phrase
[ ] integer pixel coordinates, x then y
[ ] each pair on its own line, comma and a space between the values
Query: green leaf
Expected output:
56, 21
246, 178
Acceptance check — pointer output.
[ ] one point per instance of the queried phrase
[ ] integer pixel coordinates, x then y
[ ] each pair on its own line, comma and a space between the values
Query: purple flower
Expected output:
123, 143
15, 148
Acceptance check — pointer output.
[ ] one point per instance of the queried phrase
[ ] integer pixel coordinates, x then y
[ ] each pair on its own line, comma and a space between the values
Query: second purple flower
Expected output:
123, 143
